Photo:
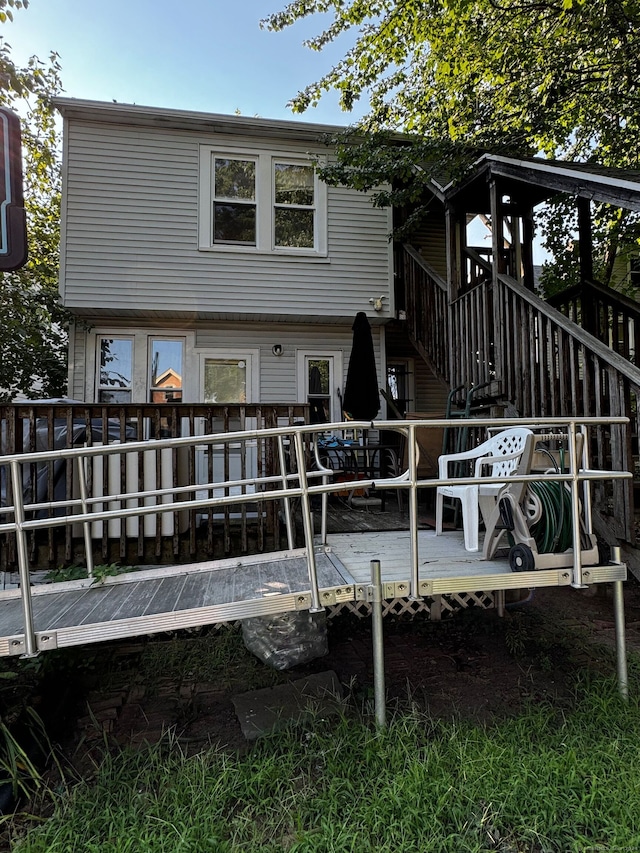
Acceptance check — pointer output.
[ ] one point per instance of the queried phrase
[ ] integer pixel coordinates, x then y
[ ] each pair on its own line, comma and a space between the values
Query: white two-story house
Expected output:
205, 261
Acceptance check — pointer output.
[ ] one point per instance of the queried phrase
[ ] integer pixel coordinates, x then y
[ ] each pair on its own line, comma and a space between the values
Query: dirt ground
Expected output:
475, 665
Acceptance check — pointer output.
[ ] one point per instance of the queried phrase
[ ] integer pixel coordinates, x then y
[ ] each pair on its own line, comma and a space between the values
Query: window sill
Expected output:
242, 251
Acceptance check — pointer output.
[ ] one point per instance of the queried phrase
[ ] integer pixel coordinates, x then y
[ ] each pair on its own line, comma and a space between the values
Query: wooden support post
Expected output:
589, 317
497, 263
454, 282
528, 231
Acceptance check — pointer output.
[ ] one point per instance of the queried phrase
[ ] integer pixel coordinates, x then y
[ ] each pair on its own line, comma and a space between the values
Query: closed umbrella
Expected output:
361, 400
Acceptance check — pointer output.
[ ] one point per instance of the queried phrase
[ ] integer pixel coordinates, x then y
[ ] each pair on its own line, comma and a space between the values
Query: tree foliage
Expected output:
560, 77
34, 339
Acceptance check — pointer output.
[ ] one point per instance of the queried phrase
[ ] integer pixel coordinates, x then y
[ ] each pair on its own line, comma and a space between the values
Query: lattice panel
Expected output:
449, 604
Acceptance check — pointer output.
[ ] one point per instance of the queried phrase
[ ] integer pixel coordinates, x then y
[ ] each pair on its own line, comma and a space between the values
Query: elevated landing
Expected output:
444, 565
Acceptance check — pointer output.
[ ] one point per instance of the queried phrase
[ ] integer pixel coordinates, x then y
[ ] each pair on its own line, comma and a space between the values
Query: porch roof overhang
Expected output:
530, 181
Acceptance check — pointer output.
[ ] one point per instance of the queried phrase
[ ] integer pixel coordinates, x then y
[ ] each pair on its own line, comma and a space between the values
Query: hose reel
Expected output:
539, 527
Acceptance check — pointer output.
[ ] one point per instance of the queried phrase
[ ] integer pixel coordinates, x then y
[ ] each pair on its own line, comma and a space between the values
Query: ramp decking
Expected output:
171, 598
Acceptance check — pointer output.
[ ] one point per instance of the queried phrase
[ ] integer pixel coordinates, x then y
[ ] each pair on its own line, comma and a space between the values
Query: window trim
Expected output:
265, 202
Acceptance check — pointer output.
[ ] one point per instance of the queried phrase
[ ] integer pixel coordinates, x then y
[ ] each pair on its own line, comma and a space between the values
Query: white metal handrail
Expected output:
287, 485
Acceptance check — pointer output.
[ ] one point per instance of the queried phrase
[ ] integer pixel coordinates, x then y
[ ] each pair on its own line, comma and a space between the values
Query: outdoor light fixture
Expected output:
276, 349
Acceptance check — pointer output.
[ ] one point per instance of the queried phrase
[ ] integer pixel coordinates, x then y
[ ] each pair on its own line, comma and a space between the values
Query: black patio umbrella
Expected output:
361, 400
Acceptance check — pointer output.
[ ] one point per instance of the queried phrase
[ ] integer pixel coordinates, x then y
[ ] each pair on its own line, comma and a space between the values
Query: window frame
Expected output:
265, 201
174, 338
252, 377
141, 361
253, 203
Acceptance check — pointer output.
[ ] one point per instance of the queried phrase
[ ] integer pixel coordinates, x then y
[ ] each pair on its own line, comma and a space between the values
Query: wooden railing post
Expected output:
497, 240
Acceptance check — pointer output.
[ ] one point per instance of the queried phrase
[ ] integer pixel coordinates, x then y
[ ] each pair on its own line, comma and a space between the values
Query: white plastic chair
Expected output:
504, 454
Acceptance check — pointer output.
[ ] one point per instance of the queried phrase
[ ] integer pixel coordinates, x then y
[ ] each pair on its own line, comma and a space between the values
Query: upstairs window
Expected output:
234, 201
294, 205
261, 202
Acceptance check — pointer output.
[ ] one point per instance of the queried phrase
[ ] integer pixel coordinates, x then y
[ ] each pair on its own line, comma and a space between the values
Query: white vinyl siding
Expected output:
278, 374
131, 225
275, 378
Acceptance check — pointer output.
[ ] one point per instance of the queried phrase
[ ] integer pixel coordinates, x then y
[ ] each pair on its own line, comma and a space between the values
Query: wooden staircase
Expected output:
537, 360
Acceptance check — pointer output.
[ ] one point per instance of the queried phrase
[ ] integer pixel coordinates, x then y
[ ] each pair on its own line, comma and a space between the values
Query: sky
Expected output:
207, 55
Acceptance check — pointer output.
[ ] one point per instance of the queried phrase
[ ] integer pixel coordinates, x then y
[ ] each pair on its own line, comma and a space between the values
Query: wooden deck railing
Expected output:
534, 357
610, 316
426, 297
546, 365
33, 427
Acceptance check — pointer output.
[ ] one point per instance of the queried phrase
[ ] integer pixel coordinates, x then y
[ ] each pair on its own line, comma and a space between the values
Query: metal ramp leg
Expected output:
621, 646
378, 644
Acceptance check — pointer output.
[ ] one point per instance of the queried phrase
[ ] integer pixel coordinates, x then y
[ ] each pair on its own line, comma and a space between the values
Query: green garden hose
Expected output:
552, 529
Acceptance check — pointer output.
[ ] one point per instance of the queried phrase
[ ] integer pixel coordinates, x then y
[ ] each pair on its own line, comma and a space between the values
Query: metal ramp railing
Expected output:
306, 578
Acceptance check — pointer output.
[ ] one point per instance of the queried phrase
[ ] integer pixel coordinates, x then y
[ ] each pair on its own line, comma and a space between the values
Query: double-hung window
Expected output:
139, 366
259, 201
234, 201
294, 211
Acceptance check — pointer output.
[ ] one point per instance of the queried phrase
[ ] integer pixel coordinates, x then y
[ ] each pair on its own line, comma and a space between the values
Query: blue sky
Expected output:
208, 55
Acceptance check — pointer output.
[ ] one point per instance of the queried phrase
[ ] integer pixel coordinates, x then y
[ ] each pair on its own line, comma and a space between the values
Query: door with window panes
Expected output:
319, 375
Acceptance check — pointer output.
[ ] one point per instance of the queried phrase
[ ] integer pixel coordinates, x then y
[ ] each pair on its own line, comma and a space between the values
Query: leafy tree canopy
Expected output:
33, 341
561, 77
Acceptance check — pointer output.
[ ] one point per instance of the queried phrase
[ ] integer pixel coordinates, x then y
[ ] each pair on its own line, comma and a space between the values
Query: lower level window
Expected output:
166, 358
115, 372
225, 380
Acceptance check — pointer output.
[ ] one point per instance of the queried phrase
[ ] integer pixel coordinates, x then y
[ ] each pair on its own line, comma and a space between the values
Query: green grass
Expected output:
541, 781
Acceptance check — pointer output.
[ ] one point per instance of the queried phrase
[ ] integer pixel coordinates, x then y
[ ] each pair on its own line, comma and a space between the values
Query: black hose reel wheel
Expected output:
521, 559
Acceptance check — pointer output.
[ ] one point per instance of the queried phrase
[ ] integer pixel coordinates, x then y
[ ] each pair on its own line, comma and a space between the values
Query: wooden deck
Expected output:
171, 598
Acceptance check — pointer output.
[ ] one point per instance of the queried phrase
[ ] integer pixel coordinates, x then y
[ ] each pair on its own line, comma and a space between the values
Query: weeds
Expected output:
74, 573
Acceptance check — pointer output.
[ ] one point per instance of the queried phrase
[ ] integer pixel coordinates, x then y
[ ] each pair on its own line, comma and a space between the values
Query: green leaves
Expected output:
539, 73
557, 77
34, 339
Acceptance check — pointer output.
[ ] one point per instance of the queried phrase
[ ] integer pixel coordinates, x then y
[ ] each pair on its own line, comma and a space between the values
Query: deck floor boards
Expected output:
438, 556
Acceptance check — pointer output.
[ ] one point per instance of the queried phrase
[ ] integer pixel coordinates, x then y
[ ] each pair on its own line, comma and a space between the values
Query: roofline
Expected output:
564, 170
134, 114
552, 177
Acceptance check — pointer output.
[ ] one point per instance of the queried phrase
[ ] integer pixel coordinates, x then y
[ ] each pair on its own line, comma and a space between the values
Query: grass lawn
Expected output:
544, 780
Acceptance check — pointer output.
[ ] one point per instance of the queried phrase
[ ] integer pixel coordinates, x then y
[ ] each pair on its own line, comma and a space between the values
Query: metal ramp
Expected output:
166, 599
407, 565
